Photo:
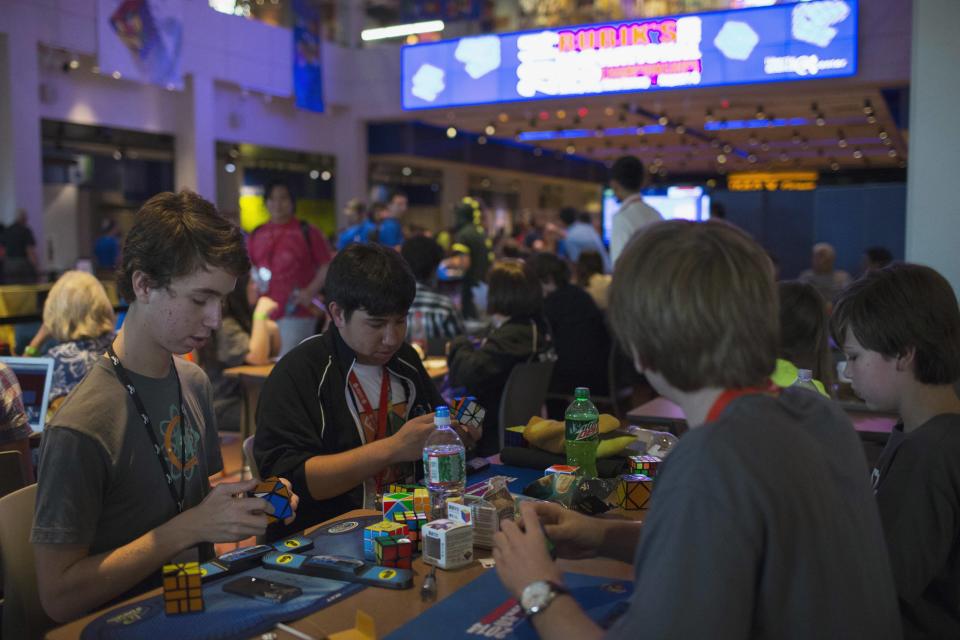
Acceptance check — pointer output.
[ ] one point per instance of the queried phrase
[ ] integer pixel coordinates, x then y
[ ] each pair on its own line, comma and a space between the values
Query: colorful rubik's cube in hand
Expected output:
633, 492
393, 551
379, 530
182, 591
414, 522
396, 502
467, 411
645, 465
421, 500
278, 495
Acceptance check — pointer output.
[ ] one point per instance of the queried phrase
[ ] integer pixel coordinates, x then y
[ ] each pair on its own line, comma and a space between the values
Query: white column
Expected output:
352, 170
933, 205
21, 168
195, 160
453, 189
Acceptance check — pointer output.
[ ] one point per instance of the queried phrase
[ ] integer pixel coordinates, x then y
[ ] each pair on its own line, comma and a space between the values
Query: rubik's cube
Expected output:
421, 500
381, 529
394, 551
278, 495
396, 487
394, 502
633, 492
467, 411
645, 465
182, 592
414, 522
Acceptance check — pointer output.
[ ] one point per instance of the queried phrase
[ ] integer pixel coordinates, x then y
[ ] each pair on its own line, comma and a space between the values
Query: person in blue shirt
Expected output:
581, 236
362, 227
389, 227
107, 247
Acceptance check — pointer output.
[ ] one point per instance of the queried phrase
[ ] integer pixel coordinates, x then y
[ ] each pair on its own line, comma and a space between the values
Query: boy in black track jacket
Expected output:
321, 420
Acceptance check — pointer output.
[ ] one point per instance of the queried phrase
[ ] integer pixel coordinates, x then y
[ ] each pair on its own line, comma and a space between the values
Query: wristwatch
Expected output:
538, 595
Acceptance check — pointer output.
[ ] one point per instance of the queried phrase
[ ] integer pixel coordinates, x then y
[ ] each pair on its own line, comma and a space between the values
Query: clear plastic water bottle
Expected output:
805, 380
582, 432
444, 464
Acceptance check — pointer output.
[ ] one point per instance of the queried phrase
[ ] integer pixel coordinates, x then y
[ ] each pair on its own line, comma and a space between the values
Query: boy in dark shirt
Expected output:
761, 524
900, 329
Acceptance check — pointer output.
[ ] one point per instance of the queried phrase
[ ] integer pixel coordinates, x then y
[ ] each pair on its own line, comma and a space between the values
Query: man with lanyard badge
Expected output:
123, 481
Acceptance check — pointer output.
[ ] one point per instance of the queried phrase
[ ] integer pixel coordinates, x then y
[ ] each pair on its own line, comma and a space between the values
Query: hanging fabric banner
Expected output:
141, 40
307, 79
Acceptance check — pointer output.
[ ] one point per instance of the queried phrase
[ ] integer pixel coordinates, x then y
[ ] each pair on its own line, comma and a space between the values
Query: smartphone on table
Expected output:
261, 589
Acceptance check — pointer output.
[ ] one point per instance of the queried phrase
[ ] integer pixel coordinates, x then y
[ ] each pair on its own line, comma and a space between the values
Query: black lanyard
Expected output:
164, 463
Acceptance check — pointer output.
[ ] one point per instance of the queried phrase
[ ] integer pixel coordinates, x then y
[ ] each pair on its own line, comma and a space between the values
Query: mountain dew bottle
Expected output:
582, 433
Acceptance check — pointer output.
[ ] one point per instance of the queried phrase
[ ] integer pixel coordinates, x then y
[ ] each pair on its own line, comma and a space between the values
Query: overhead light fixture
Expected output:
482, 140
857, 153
721, 159
117, 154
834, 165
401, 30
883, 135
490, 129
708, 116
230, 167
760, 115
561, 114
116, 75
571, 149
314, 174
503, 117
821, 121
451, 132
892, 153
663, 119
325, 175
867, 107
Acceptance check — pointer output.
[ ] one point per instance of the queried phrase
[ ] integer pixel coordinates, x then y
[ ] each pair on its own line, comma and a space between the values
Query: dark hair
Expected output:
176, 234
804, 328
423, 254
273, 184
513, 290
371, 277
628, 171
589, 263
696, 302
568, 215
549, 268
879, 256
901, 307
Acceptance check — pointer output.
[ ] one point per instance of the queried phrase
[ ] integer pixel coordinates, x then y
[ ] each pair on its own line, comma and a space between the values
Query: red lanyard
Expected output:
729, 395
383, 408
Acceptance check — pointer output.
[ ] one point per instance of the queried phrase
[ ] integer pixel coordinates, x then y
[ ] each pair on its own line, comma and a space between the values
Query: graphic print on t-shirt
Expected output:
170, 434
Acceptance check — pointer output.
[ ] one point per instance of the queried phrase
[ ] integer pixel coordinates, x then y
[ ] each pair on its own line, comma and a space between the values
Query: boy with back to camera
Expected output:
123, 480
761, 524
900, 329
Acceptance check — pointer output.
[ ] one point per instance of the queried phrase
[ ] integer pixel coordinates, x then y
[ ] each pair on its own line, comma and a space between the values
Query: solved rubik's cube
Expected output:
414, 522
633, 492
421, 500
396, 502
278, 495
645, 465
182, 590
381, 529
393, 551
467, 411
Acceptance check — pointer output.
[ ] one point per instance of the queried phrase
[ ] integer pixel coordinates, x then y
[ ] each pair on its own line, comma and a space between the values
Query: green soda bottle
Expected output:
582, 433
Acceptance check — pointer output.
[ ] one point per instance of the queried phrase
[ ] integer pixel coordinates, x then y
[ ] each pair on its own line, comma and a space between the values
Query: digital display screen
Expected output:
804, 40
676, 203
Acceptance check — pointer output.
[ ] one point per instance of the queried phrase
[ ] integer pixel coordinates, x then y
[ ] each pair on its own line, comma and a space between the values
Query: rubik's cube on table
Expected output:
396, 487
381, 529
414, 522
467, 411
394, 551
182, 590
396, 502
278, 495
421, 500
633, 492
645, 465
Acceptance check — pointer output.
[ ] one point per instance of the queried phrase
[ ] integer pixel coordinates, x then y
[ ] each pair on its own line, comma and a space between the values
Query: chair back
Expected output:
248, 457
23, 615
524, 394
11, 473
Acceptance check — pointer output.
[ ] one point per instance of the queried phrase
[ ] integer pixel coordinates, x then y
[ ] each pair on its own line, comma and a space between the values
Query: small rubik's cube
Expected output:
182, 592
396, 502
393, 551
396, 487
381, 529
278, 495
467, 411
421, 500
645, 465
633, 492
414, 522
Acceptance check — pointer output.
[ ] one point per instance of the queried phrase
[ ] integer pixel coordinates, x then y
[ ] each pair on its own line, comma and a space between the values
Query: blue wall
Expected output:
851, 218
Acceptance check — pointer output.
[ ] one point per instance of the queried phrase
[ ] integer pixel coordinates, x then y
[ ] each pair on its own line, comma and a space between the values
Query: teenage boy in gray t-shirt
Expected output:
762, 524
123, 479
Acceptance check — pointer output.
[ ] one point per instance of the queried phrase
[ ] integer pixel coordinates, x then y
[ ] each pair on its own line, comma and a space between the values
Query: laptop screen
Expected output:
35, 376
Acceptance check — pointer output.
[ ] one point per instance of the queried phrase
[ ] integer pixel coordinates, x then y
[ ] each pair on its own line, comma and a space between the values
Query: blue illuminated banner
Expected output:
806, 40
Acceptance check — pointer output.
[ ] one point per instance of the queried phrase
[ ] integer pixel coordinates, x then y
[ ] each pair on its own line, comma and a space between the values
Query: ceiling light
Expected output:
857, 153
608, 111
490, 129
821, 121
760, 115
883, 135
451, 132
230, 167
482, 140
325, 175
401, 30
314, 174
561, 114
892, 153
721, 159
116, 75
406, 171
571, 149
663, 119
503, 117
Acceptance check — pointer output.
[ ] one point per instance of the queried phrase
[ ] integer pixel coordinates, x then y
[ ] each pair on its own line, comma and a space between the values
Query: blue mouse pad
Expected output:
227, 615
484, 609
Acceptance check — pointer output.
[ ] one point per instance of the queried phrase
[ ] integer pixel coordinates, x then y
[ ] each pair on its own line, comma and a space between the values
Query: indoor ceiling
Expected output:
822, 125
